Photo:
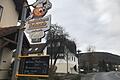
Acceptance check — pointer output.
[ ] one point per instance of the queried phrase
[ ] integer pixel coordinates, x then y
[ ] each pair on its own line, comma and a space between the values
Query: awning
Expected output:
8, 30
10, 35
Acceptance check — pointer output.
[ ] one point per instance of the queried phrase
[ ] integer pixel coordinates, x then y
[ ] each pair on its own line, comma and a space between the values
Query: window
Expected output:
1, 11
61, 56
74, 59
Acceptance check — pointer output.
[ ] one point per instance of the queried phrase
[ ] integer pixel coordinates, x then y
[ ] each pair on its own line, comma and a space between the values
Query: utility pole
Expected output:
20, 42
79, 60
67, 62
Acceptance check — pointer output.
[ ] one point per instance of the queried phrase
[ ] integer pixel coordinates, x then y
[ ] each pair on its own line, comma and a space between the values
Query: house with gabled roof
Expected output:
64, 54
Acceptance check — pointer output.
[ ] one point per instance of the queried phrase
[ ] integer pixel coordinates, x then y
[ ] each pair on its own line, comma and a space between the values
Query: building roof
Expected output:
8, 30
38, 48
11, 33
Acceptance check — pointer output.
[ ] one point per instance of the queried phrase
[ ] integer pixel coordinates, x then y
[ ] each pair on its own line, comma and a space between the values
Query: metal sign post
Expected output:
19, 44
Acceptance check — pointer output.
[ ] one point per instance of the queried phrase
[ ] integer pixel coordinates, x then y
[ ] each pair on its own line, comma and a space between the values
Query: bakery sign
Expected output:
37, 24
36, 28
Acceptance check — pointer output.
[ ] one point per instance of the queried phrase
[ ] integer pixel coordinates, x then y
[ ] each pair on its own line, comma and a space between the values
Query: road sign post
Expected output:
19, 44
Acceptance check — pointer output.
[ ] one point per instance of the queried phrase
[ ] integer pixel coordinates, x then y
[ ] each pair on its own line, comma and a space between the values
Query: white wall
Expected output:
9, 16
62, 64
5, 63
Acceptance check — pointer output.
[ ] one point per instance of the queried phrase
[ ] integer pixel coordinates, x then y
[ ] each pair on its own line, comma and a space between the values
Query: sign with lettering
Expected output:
36, 27
34, 66
37, 23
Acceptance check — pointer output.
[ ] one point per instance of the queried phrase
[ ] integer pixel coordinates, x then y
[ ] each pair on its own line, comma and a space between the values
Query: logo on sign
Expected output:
41, 7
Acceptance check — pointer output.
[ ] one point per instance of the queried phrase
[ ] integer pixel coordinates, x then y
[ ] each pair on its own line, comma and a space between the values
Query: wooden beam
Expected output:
16, 36
3, 45
9, 40
1, 50
33, 56
31, 75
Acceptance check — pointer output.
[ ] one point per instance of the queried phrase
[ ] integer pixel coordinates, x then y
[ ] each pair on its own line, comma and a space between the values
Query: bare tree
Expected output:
91, 57
55, 40
91, 48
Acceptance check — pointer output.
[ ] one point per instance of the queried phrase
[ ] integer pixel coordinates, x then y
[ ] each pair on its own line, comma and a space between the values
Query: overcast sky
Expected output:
89, 22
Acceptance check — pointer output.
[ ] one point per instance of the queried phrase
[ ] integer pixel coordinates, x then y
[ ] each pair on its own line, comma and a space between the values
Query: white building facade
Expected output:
67, 63
9, 15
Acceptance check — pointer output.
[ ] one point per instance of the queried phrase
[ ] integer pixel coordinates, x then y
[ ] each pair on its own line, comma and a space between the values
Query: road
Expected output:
106, 76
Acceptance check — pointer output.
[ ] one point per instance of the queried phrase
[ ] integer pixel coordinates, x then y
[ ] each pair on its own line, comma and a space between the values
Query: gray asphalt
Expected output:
106, 76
